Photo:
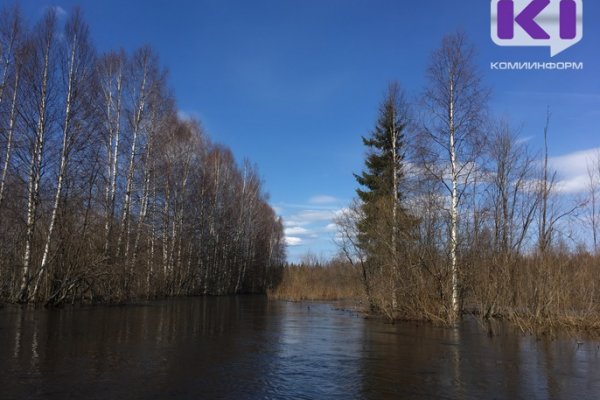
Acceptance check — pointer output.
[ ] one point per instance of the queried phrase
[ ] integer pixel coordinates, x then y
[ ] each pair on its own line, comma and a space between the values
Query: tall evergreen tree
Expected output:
381, 195
384, 172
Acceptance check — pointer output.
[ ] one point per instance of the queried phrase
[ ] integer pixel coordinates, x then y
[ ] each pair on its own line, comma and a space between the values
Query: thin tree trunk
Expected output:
9, 139
113, 157
454, 212
64, 158
594, 176
9, 54
143, 208
394, 137
35, 167
594, 222
544, 239
165, 235
125, 226
152, 240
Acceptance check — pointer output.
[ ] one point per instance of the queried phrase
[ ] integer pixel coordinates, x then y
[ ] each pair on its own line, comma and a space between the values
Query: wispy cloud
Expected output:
525, 139
309, 217
60, 12
574, 185
188, 115
278, 210
293, 241
331, 227
297, 230
323, 199
572, 170
310, 226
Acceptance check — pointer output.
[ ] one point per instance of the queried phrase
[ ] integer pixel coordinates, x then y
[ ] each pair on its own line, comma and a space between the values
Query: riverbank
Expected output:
545, 317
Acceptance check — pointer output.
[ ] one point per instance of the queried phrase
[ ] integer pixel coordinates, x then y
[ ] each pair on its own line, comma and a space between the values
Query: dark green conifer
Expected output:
381, 180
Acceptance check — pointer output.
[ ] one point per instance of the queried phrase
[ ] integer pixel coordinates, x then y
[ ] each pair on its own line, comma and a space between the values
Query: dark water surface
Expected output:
250, 348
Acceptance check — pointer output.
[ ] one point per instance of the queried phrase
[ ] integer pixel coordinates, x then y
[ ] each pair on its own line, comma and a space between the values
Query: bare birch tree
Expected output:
143, 80
95, 220
111, 75
512, 189
78, 72
455, 101
40, 70
551, 212
593, 171
12, 50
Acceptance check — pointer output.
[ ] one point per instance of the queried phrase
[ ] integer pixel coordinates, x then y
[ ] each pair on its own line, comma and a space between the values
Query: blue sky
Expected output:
292, 85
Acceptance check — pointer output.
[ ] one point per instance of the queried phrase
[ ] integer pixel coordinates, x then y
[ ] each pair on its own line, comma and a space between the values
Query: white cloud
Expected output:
310, 228
577, 184
296, 230
60, 12
331, 227
525, 139
323, 199
342, 211
316, 215
293, 241
572, 170
277, 210
576, 162
309, 217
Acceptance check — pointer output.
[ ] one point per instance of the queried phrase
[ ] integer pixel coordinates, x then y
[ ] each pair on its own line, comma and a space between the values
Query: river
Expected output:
252, 348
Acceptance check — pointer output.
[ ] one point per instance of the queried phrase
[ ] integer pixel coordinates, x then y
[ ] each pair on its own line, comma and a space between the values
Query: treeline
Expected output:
455, 213
106, 194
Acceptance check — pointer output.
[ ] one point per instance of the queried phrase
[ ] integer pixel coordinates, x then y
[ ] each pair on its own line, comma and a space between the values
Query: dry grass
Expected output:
335, 280
556, 292
550, 295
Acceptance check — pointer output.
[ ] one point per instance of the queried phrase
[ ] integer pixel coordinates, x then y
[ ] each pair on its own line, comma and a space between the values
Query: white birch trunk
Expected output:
453, 209
33, 186
170, 258
113, 155
64, 158
177, 238
241, 229
109, 150
152, 240
394, 137
165, 235
125, 228
143, 208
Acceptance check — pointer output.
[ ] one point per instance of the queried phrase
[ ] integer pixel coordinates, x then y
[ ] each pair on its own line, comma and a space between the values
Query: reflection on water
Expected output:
250, 348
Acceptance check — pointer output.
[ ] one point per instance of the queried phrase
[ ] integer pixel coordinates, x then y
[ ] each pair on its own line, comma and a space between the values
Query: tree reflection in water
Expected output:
250, 348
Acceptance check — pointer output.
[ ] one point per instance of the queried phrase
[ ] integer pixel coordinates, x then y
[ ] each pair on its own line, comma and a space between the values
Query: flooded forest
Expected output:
107, 193
140, 259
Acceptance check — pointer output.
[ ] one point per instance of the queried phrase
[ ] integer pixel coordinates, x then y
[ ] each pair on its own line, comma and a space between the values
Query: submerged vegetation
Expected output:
548, 294
106, 193
456, 214
313, 280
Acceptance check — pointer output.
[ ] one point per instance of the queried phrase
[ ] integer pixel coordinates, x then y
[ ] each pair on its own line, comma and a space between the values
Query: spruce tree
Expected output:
381, 180
383, 219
